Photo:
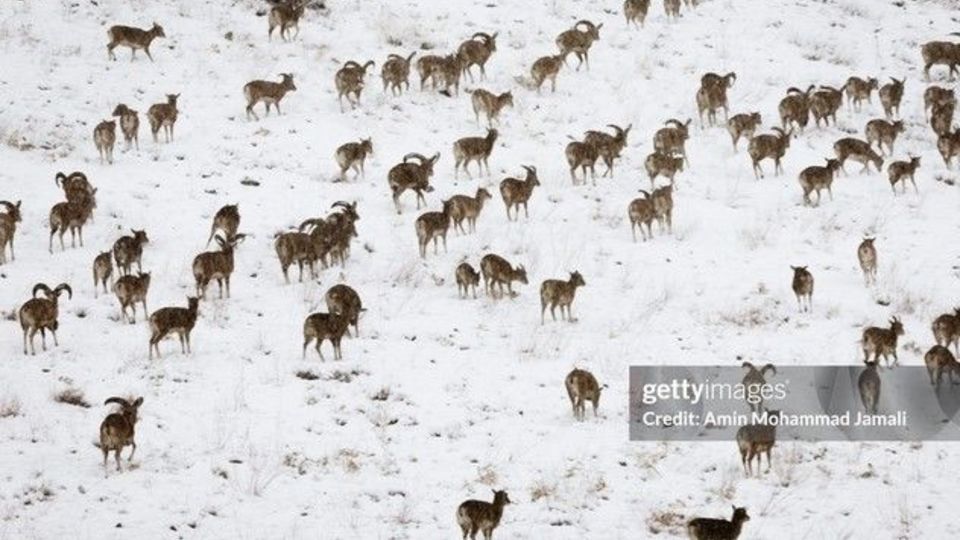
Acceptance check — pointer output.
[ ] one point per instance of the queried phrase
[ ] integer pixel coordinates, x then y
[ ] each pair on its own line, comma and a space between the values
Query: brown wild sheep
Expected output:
128, 250
285, 15
662, 199
226, 220
859, 151
9, 217
491, 104
753, 440
948, 145
557, 292
882, 132
325, 326
718, 529
349, 82
640, 212
901, 171
890, 96
803, 287
41, 314
636, 10
269, 92
516, 192
867, 255
578, 40
583, 156
936, 95
395, 73
497, 272
824, 104
412, 175
104, 137
858, 90
467, 207
795, 108
352, 155
939, 359
816, 178
546, 67
102, 270
163, 115
869, 385
658, 164
131, 289
581, 387
477, 149
672, 139
753, 381
344, 300
608, 146
480, 516
134, 38
167, 320
467, 277
476, 51
118, 429
129, 124
882, 342
216, 265
946, 329
72, 215
940, 53
765, 146
743, 125
433, 226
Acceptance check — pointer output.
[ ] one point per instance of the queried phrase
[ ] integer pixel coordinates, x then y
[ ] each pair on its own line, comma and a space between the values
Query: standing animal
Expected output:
937, 95
477, 149
869, 385
118, 429
578, 40
163, 115
467, 207
662, 199
718, 529
816, 178
41, 314
658, 164
803, 287
890, 96
824, 104
608, 146
128, 250
941, 117
546, 67
940, 53
753, 440
227, 220
412, 175
772, 146
859, 90
516, 192
557, 292
269, 92
102, 270
216, 265
583, 156
433, 226
8, 227
479, 516
901, 171
285, 15
323, 326
448, 72
129, 124
395, 73
743, 125
753, 382
75, 187
867, 255
882, 342
948, 145
427, 68
476, 51
349, 82
712, 95
946, 329
671, 9
795, 108
134, 38
582, 386
881, 132
497, 272
104, 137
131, 289
295, 247
352, 155
490, 104
72, 215
167, 320
467, 277
640, 212
939, 359
857, 150
344, 300
672, 139
636, 10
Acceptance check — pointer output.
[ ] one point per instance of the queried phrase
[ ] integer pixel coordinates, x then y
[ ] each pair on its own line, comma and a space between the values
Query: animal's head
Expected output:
140, 237
157, 30
896, 326
532, 174
129, 410
740, 514
288, 81
576, 279
500, 497
483, 194
12, 210
366, 145
521, 274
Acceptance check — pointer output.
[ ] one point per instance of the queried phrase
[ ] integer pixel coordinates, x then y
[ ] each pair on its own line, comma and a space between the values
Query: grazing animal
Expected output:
867, 255
163, 115
640, 212
476, 51
662, 199
890, 96
858, 90
939, 359
466, 277
882, 132
557, 292
285, 15
181, 321
128, 250
857, 150
352, 155
216, 265
658, 164
269, 92
584, 156
129, 124
349, 82
395, 73
479, 516
869, 385
544, 68
102, 270
433, 226
756, 439
477, 149
412, 175
753, 381
516, 192
937, 95
948, 145
672, 139
131, 289
226, 220
325, 326
772, 146
72, 215
743, 125
134, 38
636, 10
104, 137
900, 171
795, 108
467, 207
608, 146
882, 342
8, 227
816, 178
118, 429
941, 117
497, 272
40, 314
824, 104
946, 329
803, 287
578, 40
582, 386
490, 104
940, 53
718, 529
344, 300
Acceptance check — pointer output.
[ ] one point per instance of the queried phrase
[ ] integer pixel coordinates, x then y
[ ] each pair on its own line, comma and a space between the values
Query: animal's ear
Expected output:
794, 268
138, 402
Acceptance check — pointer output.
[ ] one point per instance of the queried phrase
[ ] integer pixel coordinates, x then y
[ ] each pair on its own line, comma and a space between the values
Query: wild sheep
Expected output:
936, 95
795, 108
163, 115
946, 329
557, 292
395, 73
490, 104
890, 96
8, 227
227, 220
325, 326
128, 250
608, 146
285, 15
269, 92
467, 277
858, 90
662, 199
102, 270
640, 212
352, 155
216, 265
658, 164
583, 156
344, 300
765, 146
118, 429
867, 255
131, 289
803, 287
41, 314
129, 124
433, 226
816, 178
672, 139
882, 342
901, 171
939, 359
753, 382
868, 383
940, 53
857, 150
134, 38
718, 529
167, 320
671, 9
882, 132
477, 149
636, 10
824, 104
497, 272
941, 117
476, 51
948, 145
516, 192
712, 95
581, 387
753, 440
349, 82
104, 137
72, 215
546, 67
412, 175
467, 207
480, 516
743, 125
579, 41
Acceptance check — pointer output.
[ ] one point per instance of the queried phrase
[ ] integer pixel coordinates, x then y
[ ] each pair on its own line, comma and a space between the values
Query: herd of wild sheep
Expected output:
326, 239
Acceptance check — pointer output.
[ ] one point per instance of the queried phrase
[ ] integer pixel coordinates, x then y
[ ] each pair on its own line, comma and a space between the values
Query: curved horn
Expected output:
646, 194
413, 155
370, 63
675, 122
616, 127
435, 157
780, 131
63, 287
586, 23
118, 400
343, 204
768, 367
394, 56
314, 222
60, 177
482, 35
11, 208
748, 365
351, 64
42, 287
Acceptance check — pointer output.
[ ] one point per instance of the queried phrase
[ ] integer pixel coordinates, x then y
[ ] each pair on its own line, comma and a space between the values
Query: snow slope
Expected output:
442, 399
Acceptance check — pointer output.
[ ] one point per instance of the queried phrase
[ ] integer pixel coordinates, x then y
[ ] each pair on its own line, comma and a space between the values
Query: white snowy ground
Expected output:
442, 399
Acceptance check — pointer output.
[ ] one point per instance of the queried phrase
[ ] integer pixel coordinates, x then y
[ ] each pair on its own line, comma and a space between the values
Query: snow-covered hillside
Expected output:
442, 399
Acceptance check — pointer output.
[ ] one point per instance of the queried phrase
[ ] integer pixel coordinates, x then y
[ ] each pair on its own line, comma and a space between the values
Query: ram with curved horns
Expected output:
9, 217
476, 51
579, 41
608, 146
412, 175
40, 314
